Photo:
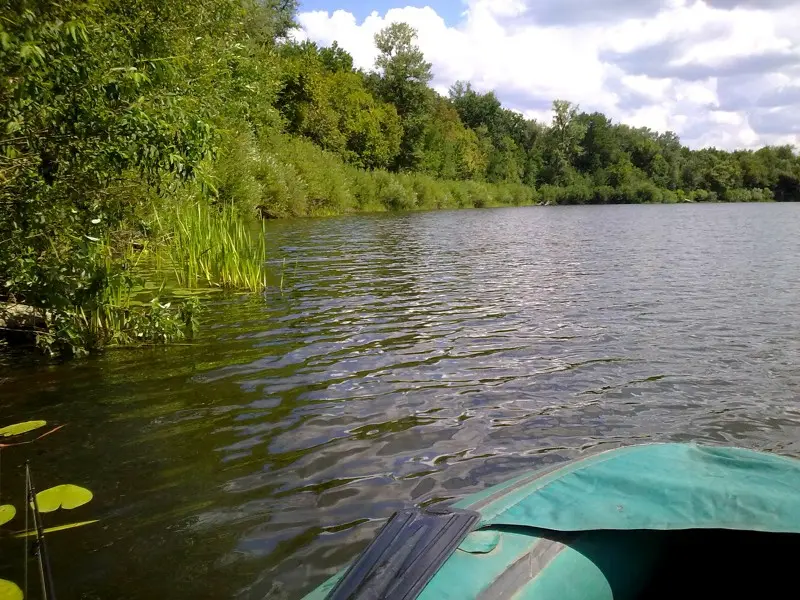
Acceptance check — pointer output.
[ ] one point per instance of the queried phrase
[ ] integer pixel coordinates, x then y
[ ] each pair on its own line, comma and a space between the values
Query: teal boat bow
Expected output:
606, 526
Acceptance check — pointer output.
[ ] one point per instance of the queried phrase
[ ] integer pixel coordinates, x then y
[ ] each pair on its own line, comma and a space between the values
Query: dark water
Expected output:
410, 359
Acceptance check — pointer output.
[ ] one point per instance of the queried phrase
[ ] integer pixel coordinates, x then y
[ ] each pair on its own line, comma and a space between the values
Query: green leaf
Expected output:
20, 428
32, 532
9, 591
7, 513
66, 496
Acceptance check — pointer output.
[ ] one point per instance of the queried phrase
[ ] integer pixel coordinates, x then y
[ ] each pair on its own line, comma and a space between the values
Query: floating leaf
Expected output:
66, 496
9, 591
36, 439
7, 513
20, 428
24, 534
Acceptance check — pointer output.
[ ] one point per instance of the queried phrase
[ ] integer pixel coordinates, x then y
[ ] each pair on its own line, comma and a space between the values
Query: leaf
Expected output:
24, 534
9, 591
7, 513
45, 434
20, 428
66, 496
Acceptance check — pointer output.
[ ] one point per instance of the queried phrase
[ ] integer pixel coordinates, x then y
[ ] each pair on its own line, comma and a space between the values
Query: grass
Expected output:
211, 246
281, 176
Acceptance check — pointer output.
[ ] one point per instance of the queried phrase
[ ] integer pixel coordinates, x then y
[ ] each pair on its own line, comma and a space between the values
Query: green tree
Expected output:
333, 107
600, 144
404, 76
475, 109
564, 145
450, 150
336, 58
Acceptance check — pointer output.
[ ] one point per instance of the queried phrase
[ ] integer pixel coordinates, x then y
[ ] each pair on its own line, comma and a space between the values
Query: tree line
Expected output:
389, 118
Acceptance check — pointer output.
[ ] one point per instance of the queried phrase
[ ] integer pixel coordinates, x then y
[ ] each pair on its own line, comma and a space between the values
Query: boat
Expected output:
647, 521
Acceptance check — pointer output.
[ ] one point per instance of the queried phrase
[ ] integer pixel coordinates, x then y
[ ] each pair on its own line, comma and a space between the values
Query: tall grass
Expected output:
282, 176
211, 246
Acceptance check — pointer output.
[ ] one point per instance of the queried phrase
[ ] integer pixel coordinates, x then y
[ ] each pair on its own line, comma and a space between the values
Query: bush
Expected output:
647, 193
459, 193
669, 197
749, 195
322, 176
428, 191
603, 194
234, 174
392, 193
549, 195
472, 196
365, 190
504, 195
703, 196
283, 193
521, 195
578, 193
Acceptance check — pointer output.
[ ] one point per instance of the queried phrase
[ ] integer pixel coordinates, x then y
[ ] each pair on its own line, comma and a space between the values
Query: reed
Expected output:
211, 246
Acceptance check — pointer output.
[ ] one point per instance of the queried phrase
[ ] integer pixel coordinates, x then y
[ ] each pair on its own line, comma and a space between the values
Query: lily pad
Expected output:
66, 496
20, 428
7, 513
9, 591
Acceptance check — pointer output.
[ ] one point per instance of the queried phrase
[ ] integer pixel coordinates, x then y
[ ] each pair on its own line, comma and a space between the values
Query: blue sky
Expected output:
449, 10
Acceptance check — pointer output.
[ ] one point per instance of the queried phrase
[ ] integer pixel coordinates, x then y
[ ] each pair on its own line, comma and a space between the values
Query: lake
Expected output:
409, 359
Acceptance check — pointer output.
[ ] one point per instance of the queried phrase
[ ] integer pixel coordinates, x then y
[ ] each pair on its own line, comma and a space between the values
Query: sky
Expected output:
722, 73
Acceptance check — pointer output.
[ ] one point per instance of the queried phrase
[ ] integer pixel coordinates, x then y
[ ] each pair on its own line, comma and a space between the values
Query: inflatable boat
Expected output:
652, 521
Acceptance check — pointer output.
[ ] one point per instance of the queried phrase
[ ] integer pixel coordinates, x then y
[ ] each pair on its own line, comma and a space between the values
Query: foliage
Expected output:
104, 106
9, 591
20, 428
66, 496
402, 79
207, 115
7, 512
209, 246
103, 308
94, 102
322, 100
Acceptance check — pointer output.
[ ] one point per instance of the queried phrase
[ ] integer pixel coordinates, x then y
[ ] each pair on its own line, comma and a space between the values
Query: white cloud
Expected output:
725, 74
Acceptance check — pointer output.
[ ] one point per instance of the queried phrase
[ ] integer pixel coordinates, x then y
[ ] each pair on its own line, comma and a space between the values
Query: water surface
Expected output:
410, 359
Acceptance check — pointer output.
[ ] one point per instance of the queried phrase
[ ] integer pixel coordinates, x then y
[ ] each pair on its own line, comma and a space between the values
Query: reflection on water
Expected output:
411, 359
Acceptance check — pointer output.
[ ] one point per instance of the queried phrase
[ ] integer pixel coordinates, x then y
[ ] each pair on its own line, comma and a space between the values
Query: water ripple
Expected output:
412, 359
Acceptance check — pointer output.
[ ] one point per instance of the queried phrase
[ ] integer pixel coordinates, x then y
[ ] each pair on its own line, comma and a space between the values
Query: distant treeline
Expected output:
388, 118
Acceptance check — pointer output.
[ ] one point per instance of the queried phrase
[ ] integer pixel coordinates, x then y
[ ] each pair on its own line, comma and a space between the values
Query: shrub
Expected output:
365, 190
521, 195
603, 194
703, 196
430, 192
234, 175
392, 194
647, 193
749, 195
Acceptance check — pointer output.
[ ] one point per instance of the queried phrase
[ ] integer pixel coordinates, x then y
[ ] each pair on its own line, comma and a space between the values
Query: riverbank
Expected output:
283, 176
113, 117
144, 274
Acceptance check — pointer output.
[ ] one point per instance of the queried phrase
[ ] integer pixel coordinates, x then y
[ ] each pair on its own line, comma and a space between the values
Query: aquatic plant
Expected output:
60, 497
207, 245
